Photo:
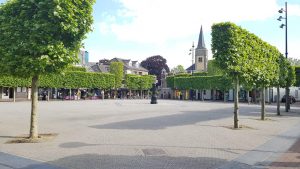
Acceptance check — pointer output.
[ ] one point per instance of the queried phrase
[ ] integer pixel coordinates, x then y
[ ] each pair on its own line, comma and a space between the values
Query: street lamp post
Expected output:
287, 100
192, 50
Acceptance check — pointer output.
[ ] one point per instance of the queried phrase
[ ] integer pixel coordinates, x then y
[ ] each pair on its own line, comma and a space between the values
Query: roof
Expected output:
191, 68
127, 66
201, 43
93, 67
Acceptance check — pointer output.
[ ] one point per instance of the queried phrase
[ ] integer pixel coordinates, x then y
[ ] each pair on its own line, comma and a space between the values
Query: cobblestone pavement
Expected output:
133, 134
289, 159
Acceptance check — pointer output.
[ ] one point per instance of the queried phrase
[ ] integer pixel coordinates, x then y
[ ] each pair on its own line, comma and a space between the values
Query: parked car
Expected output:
291, 98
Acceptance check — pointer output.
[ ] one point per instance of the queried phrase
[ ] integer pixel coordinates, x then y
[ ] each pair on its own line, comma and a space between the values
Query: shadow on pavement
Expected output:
95, 161
162, 122
185, 118
70, 145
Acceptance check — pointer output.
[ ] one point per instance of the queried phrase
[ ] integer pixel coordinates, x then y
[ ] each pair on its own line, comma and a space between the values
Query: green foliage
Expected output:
155, 64
200, 74
199, 82
11, 81
297, 73
76, 68
291, 79
183, 75
294, 62
242, 54
178, 69
137, 82
213, 68
171, 82
38, 37
117, 69
68, 79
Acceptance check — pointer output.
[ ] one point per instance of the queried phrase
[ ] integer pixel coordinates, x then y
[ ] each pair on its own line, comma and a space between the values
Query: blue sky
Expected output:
137, 29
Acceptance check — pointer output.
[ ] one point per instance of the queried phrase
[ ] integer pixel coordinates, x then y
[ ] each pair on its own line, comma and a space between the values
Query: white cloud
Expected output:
162, 20
159, 22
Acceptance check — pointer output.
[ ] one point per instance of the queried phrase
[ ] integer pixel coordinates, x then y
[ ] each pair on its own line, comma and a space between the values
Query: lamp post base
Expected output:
153, 100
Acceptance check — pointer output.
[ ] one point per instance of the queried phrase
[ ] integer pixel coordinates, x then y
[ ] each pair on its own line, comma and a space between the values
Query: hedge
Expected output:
199, 82
69, 79
138, 82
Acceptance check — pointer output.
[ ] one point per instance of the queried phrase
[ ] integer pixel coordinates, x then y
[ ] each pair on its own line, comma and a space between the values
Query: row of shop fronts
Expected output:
218, 95
24, 93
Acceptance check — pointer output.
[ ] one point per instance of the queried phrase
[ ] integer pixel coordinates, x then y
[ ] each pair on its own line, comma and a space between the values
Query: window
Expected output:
200, 59
19, 89
204, 92
24, 89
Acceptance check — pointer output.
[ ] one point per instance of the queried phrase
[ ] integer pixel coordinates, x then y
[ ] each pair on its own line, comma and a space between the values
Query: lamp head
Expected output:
282, 25
279, 19
281, 10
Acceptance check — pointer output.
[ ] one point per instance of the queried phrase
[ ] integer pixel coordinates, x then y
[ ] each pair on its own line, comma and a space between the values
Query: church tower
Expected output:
201, 54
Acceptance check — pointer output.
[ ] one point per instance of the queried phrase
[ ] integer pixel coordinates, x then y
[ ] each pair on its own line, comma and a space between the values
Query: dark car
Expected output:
291, 98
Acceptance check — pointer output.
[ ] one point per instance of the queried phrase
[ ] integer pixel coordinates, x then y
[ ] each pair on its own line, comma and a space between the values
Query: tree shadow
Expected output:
8, 161
95, 161
162, 122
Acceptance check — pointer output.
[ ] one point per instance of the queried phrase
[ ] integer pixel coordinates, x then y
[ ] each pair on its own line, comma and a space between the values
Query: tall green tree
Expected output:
117, 69
41, 37
245, 58
213, 69
282, 78
154, 65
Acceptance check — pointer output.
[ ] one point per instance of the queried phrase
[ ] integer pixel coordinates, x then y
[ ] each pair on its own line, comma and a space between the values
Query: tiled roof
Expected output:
191, 68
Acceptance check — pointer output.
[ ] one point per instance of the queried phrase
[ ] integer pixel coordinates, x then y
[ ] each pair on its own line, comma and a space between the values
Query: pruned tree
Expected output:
213, 69
245, 58
41, 37
155, 64
117, 69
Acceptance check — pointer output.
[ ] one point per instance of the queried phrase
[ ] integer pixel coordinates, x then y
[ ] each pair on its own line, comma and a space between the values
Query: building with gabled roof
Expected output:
130, 67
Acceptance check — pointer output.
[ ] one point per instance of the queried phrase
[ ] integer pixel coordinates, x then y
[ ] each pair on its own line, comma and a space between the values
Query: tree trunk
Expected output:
70, 94
263, 101
236, 103
48, 94
248, 97
34, 105
286, 99
224, 95
289, 103
278, 101
202, 95
14, 94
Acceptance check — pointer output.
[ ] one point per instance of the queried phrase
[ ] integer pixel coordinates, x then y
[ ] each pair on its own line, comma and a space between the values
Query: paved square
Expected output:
133, 134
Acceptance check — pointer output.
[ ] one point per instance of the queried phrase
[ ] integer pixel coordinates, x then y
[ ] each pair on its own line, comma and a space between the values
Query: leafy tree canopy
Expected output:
155, 64
213, 68
178, 69
39, 37
244, 55
117, 68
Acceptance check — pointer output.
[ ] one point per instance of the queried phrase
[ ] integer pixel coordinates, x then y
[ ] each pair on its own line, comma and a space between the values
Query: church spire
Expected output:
201, 44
